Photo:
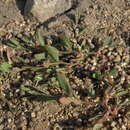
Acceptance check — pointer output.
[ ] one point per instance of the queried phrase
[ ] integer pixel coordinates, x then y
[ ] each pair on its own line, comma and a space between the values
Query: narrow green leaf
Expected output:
5, 67
122, 93
46, 98
40, 56
83, 44
82, 32
107, 41
19, 59
38, 95
113, 72
128, 86
64, 83
77, 17
30, 91
114, 44
67, 42
15, 42
40, 39
33, 68
53, 52
26, 39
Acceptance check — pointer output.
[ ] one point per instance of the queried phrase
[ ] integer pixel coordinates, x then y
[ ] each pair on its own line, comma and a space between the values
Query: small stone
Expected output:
113, 124
79, 122
117, 58
37, 108
75, 114
33, 115
120, 120
9, 120
123, 127
114, 128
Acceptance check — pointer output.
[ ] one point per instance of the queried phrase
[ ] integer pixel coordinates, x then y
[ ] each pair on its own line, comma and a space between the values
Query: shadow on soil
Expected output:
126, 37
21, 6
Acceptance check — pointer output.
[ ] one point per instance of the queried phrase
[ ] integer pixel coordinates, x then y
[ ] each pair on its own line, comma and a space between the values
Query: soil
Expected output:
100, 18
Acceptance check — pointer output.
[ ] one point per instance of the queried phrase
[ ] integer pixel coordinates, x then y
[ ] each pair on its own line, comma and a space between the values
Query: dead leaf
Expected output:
68, 100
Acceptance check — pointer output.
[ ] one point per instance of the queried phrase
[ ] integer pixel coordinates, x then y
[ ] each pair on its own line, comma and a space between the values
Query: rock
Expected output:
46, 9
9, 12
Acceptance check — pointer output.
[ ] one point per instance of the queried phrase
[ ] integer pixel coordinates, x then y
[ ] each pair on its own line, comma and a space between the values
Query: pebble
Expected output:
123, 127
114, 128
113, 124
120, 120
120, 50
75, 114
79, 122
37, 108
57, 127
117, 58
33, 114
9, 120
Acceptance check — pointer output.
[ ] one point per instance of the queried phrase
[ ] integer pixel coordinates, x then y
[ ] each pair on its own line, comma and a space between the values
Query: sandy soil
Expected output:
101, 18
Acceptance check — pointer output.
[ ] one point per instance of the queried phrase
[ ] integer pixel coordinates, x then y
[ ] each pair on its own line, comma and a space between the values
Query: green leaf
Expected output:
97, 75
26, 39
128, 86
122, 93
53, 52
107, 41
30, 91
67, 42
15, 42
113, 72
82, 32
91, 92
40, 39
114, 44
38, 94
38, 77
64, 83
40, 56
5, 67
83, 44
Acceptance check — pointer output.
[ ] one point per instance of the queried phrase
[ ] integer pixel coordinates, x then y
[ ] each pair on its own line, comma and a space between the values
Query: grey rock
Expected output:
45, 9
9, 12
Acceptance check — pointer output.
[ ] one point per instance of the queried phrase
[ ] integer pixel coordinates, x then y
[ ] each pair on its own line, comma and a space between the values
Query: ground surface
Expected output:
100, 19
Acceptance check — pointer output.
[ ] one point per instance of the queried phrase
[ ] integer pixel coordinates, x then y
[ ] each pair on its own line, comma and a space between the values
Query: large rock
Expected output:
9, 12
45, 9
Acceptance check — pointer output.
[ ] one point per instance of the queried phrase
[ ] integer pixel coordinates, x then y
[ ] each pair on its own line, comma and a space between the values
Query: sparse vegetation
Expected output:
48, 71
71, 72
